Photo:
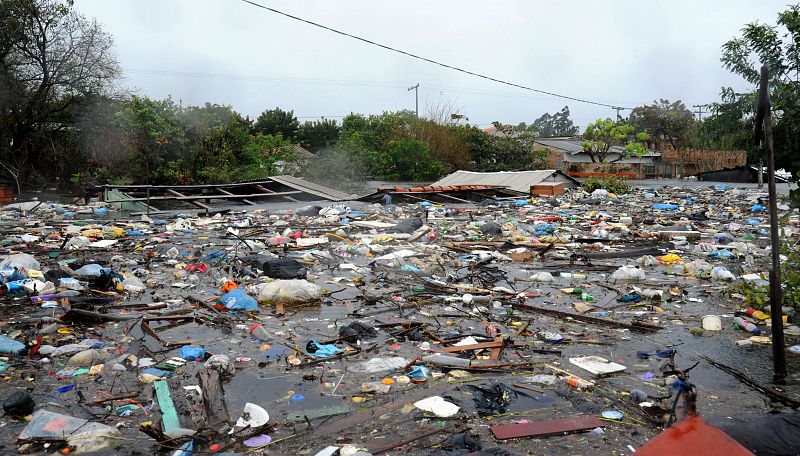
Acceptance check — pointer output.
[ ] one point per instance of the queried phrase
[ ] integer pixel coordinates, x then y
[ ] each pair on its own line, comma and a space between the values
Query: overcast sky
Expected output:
624, 53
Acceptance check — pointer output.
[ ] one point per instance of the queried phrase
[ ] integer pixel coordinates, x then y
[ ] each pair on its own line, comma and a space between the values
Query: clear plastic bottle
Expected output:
746, 325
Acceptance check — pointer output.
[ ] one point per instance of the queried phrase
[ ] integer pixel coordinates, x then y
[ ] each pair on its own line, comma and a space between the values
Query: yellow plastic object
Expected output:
670, 258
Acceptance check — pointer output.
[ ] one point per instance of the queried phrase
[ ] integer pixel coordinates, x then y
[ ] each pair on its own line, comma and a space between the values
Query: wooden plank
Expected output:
263, 189
213, 398
191, 200
246, 201
456, 348
169, 417
545, 428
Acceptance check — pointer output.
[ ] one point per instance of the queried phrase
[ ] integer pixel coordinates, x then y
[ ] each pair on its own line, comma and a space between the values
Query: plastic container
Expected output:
260, 332
712, 323
579, 383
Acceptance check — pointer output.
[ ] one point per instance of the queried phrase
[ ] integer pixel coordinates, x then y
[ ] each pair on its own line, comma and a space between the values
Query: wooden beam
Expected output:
263, 189
190, 200
246, 201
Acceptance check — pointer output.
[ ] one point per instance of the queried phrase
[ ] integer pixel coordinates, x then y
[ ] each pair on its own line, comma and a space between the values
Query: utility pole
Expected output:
764, 114
699, 111
618, 109
415, 88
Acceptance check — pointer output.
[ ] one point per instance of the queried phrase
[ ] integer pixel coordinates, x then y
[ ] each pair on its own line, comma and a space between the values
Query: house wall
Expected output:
634, 170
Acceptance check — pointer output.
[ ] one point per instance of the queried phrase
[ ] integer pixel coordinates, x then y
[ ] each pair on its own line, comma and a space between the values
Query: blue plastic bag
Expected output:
318, 350
190, 353
754, 221
665, 206
757, 208
9, 346
237, 299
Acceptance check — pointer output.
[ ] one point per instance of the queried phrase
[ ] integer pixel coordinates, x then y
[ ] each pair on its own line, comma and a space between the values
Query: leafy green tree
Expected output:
318, 134
777, 47
600, 136
277, 122
51, 57
409, 159
667, 124
153, 135
551, 126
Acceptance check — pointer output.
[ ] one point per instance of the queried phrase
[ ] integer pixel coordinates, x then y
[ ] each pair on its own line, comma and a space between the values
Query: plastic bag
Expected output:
541, 277
491, 229
698, 268
408, 226
237, 299
289, 291
628, 274
133, 285
21, 261
281, 268
720, 273
9, 346
91, 270
647, 260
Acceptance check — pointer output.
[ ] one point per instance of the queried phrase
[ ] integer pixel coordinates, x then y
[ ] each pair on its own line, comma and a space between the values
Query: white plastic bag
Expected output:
720, 273
296, 290
21, 261
628, 274
133, 285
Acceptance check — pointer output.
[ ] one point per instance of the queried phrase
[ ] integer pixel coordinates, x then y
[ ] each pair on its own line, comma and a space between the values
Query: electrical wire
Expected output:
435, 62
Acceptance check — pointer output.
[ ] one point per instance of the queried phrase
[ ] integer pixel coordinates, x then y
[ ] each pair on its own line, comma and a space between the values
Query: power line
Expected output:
435, 62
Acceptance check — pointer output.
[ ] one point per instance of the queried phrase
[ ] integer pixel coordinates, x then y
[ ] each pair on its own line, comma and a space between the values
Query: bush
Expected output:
613, 184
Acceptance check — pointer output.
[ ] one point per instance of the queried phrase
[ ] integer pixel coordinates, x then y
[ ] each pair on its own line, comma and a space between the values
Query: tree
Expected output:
600, 136
277, 122
508, 148
667, 124
777, 47
51, 57
550, 126
318, 134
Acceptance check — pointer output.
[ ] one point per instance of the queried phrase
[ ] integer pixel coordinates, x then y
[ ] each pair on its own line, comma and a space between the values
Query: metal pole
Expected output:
775, 301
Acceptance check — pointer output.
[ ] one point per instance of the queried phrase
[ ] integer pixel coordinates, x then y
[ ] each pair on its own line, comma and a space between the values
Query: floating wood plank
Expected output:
213, 398
169, 417
318, 413
583, 318
545, 428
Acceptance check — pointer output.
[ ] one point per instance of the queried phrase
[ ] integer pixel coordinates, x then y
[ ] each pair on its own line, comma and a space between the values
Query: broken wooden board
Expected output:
497, 342
213, 398
318, 413
597, 365
169, 417
545, 428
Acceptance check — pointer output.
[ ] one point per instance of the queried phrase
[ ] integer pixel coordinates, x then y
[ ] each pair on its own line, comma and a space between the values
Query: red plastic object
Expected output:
692, 435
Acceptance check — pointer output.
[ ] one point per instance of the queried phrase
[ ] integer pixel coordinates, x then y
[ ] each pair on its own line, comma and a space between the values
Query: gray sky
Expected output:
618, 52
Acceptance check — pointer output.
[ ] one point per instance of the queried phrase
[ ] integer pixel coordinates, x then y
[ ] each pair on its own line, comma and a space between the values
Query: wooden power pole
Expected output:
764, 121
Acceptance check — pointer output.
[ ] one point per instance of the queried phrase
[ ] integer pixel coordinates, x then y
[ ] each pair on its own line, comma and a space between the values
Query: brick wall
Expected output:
700, 161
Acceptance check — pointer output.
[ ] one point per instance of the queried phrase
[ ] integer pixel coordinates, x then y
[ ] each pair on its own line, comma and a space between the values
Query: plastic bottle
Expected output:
746, 325
757, 314
579, 383
260, 332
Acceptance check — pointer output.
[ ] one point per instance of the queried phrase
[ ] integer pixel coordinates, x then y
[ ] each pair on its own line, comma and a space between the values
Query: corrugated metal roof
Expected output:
310, 187
573, 146
520, 181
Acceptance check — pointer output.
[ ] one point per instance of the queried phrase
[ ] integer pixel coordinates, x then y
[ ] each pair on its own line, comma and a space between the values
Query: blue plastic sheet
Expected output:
757, 208
9, 346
